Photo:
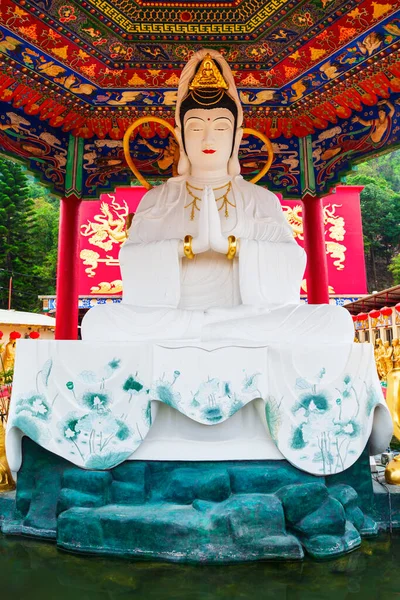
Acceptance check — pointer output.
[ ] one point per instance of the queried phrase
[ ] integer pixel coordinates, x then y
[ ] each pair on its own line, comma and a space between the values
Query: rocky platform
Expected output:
203, 512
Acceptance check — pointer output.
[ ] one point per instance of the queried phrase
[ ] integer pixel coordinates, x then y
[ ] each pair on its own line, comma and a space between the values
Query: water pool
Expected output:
34, 570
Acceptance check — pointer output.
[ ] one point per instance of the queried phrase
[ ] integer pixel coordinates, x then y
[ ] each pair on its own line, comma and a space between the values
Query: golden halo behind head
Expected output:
127, 153
267, 142
160, 121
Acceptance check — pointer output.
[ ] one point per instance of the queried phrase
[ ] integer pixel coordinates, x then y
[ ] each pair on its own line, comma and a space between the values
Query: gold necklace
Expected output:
224, 204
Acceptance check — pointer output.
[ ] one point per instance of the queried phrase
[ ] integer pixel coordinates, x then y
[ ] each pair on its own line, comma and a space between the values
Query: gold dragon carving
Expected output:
334, 226
107, 228
104, 231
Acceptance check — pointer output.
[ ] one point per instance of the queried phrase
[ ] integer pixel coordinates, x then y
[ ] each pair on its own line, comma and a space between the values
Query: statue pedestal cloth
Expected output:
98, 404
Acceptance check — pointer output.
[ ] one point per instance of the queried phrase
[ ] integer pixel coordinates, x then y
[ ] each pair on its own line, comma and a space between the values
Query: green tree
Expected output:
16, 227
384, 168
28, 239
380, 208
45, 245
394, 267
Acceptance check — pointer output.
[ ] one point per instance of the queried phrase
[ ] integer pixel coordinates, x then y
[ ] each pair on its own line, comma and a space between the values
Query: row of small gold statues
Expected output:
6, 479
7, 358
387, 357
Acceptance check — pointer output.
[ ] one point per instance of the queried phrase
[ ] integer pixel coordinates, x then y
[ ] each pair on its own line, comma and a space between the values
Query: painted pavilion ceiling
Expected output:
302, 67
129, 54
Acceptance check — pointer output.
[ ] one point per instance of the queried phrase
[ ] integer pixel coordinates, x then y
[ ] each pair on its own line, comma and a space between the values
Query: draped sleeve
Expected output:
263, 215
149, 259
271, 263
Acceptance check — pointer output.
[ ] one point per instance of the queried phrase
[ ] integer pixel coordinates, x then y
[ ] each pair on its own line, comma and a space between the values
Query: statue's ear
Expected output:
183, 164
233, 164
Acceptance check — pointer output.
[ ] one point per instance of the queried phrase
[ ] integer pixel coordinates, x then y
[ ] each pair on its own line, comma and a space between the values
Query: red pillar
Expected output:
314, 243
67, 270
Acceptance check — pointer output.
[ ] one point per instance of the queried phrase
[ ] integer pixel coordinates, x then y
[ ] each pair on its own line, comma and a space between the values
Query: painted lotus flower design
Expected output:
97, 416
326, 425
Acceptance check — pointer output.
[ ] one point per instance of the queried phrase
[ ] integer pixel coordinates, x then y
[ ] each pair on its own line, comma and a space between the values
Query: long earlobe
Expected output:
183, 164
234, 164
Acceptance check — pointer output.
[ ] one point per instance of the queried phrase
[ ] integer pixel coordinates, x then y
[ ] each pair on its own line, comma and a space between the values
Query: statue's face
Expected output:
208, 138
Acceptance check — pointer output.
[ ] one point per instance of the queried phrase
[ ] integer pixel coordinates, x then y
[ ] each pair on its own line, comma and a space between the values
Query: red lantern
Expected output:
15, 335
386, 311
34, 335
362, 316
397, 307
1, 334
355, 318
374, 314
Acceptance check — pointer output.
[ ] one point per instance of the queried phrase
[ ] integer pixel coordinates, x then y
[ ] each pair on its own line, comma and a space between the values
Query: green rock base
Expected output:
202, 512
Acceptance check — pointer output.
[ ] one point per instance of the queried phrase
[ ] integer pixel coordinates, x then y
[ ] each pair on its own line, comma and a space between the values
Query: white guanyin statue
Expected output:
211, 262
229, 392
210, 256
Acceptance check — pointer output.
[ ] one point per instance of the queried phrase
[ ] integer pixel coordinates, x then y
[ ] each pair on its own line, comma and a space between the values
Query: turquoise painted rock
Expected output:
300, 500
329, 546
329, 518
238, 529
199, 512
185, 485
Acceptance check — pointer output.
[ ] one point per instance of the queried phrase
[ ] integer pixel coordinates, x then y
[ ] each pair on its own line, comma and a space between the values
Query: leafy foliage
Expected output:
380, 207
28, 238
394, 267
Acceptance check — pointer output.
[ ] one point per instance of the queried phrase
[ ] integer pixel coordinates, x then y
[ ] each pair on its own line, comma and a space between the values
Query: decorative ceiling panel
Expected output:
298, 68
250, 33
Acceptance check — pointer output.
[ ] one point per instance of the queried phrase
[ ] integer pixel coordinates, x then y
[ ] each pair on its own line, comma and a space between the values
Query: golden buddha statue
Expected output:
392, 471
9, 356
379, 358
6, 480
396, 353
387, 358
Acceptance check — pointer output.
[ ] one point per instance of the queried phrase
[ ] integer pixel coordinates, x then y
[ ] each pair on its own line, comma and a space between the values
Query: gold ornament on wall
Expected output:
108, 227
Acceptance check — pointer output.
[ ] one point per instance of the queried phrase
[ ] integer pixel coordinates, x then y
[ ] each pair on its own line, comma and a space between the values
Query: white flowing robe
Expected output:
254, 298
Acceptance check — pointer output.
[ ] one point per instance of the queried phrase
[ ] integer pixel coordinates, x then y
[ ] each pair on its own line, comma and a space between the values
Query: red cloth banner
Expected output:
102, 231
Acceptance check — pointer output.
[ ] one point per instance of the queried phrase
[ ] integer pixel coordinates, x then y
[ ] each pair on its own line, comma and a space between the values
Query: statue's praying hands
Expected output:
209, 231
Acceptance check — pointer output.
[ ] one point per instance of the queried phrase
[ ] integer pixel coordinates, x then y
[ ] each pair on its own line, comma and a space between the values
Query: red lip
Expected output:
208, 151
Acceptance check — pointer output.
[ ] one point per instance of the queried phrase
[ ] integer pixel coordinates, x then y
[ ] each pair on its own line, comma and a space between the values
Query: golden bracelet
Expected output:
187, 247
232, 247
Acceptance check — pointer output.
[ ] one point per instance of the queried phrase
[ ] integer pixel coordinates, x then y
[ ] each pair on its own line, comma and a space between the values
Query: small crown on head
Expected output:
208, 76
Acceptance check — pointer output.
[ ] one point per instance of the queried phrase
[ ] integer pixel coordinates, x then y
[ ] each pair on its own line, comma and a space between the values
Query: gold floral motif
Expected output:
337, 252
107, 287
105, 230
92, 259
